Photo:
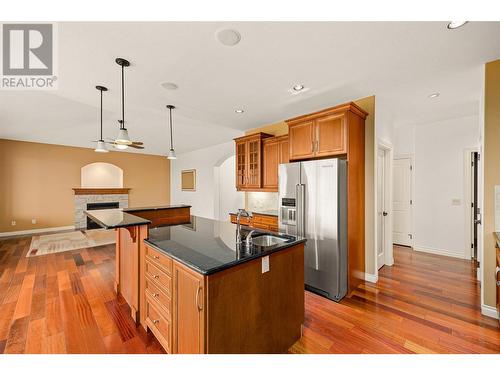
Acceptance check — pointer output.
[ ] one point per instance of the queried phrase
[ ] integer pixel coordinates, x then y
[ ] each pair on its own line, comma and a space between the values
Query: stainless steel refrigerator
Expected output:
313, 204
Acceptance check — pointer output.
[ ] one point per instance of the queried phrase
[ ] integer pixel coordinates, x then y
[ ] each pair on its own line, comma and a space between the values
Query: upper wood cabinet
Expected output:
275, 152
322, 134
249, 161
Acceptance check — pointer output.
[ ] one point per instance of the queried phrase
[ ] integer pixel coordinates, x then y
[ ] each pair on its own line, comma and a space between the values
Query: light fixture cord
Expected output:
171, 136
122, 125
101, 115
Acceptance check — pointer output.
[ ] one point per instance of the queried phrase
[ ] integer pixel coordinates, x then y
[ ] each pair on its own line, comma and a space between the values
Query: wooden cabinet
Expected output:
338, 132
497, 272
189, 311
222, 312
318, 135
258, 221
249, 161
275, 152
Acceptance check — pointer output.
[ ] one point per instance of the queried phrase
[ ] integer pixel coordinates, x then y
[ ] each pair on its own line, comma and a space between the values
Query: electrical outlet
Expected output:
33, 221
13, 222
265, 264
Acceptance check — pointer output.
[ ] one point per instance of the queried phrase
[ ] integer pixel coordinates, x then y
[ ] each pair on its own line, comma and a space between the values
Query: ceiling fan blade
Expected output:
137, 143
135, 146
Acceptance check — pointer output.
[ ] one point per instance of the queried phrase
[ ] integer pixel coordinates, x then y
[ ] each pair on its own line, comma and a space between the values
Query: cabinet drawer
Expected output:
161, 297
160, 258
243, 220
159, 277
265, 220
158, 324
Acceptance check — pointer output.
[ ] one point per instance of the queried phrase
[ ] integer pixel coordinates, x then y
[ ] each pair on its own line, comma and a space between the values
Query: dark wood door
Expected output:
301, 138
189, 311
270, 155
284, 150
330, 135
253, 163
241, 164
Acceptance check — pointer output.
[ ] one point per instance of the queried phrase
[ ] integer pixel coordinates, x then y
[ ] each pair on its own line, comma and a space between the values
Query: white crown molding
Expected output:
34, 231
489, 311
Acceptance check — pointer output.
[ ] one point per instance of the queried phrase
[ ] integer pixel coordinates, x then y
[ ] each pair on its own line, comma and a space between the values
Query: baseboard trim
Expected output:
432, 250
489, 311
371, 278
34, 231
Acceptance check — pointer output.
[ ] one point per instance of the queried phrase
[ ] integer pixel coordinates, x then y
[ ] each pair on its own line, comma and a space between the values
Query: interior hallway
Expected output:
64, 303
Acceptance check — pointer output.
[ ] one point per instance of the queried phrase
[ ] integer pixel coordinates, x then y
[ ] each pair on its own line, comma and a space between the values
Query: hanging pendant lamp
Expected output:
123, 137
101, 145
171, 154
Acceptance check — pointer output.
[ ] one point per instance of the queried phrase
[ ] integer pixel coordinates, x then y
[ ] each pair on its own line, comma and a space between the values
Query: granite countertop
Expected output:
209, 246
264, 213
115, 218
152, 208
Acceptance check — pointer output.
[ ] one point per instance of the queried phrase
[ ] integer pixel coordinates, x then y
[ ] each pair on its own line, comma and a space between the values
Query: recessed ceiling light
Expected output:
239, 110
456, 24
228, 37
434, 95
298, 87
169, 86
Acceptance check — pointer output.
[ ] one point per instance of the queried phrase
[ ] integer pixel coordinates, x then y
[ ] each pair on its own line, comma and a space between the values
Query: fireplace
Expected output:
98, 206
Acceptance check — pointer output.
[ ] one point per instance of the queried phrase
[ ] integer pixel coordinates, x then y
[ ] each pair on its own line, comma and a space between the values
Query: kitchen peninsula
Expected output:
187, 280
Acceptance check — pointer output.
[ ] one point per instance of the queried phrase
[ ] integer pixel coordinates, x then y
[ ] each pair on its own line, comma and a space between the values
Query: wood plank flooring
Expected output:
65, 303
423, 304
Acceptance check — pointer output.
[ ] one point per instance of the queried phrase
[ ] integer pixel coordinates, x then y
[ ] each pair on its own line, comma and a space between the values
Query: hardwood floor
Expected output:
65, 303
423, 304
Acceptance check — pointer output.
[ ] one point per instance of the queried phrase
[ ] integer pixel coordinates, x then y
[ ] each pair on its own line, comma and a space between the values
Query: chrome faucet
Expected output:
248, 239
241, 212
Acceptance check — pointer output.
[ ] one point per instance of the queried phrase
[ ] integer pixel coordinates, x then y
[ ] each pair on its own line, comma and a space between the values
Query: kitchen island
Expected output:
201, 292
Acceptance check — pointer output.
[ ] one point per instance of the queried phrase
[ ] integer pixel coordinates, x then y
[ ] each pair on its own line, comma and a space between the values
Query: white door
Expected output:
381, 211
402, 202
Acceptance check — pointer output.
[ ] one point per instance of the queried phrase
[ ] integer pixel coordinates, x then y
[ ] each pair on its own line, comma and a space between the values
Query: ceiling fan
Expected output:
123, 141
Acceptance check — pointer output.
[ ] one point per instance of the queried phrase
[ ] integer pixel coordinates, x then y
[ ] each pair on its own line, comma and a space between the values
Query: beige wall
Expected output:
36, 181
491, 174
367, 104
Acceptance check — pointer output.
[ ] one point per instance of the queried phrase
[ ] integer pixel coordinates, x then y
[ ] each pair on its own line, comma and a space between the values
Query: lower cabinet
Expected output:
189, 311
265, 222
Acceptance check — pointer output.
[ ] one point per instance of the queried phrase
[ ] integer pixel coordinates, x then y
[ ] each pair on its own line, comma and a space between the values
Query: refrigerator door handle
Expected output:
300, 194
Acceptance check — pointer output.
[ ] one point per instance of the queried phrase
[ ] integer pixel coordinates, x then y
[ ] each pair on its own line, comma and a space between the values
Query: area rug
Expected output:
59, 242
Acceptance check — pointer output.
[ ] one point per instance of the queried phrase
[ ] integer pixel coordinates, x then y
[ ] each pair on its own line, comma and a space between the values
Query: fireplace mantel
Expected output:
100, 191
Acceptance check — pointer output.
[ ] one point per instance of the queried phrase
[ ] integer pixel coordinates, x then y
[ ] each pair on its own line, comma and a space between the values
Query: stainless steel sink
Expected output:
268, 240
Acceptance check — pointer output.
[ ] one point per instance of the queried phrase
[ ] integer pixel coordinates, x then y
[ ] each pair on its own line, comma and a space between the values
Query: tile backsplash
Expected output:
261, 201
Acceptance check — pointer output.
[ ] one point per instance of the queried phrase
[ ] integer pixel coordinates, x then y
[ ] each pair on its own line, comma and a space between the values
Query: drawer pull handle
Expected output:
156, 276
156, 257
155, 294
156, 321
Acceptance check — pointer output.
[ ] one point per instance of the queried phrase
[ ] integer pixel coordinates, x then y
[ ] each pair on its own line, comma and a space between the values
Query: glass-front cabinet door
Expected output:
241, 161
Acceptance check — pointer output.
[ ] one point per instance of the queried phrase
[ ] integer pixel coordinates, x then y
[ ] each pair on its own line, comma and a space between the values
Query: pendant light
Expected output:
123, 138
118, 145
171, 153
101, 145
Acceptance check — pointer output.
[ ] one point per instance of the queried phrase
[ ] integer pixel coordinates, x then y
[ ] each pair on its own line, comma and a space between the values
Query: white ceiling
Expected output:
400, 62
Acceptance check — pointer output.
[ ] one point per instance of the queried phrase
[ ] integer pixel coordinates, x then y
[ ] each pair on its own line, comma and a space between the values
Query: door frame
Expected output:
412, 195
468, 252
388, 250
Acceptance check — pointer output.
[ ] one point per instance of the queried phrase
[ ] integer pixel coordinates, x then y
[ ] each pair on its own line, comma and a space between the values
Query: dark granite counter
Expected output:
154, 208
208, 246
115, 218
